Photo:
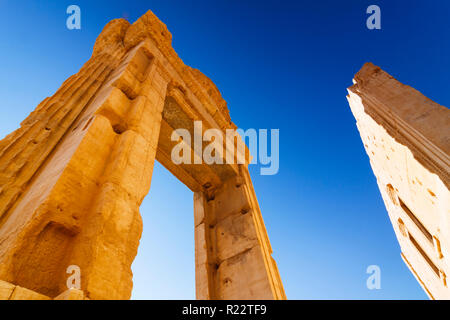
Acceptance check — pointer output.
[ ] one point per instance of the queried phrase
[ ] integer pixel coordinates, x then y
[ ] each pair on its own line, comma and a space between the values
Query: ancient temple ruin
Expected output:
73, 176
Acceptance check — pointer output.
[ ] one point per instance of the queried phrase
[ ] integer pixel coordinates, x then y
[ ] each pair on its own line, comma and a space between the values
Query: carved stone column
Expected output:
233, 254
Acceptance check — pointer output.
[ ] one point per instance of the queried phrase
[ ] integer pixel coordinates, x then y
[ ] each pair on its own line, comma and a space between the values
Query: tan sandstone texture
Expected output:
407, 138
73, 176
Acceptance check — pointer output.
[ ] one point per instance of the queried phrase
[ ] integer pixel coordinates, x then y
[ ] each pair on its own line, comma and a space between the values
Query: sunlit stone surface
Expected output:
407, 138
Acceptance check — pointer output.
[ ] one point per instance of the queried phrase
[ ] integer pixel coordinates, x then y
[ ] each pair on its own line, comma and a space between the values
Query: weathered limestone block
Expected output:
20, 293
235, 234
6, 290
71, 294
231, 201
202, 267
249, 285
9, 291
46, 240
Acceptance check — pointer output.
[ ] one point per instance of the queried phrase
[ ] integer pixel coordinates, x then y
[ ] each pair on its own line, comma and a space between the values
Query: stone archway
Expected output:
73, 176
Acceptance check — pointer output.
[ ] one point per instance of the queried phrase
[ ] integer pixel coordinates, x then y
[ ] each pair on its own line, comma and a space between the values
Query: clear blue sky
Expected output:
279, 65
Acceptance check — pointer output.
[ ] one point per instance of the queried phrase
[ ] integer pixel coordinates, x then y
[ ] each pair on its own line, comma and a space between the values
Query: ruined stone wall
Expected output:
406, 137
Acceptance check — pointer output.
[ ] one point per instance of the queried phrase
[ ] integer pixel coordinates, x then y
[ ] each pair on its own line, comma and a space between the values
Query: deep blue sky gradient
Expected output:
280, 65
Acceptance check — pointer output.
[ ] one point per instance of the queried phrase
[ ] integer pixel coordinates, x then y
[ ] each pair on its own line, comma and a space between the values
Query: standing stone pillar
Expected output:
109, 241
406, 136
233, 253
77, 171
